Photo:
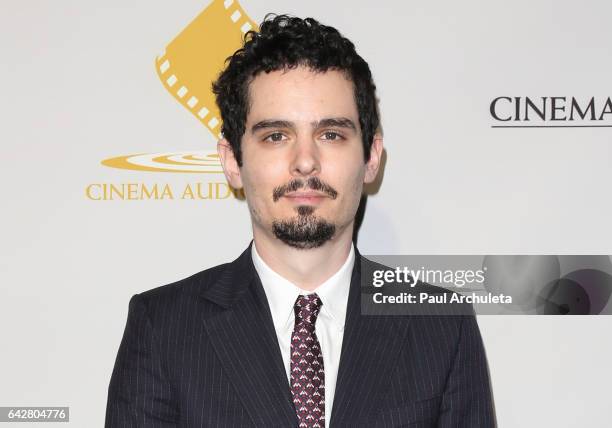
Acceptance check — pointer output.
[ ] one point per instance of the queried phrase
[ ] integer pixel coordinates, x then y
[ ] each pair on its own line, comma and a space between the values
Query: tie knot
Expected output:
307, 308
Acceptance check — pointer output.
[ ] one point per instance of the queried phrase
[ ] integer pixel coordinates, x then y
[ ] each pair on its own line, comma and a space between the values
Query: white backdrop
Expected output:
79, 86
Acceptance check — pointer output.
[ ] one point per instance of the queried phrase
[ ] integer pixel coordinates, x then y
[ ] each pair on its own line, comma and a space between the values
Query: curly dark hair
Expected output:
285, 42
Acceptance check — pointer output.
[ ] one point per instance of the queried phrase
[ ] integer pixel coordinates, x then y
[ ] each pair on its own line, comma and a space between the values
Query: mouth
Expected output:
305, 197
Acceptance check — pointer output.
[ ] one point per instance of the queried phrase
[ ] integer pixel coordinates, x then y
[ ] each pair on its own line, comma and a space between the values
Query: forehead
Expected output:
301, 94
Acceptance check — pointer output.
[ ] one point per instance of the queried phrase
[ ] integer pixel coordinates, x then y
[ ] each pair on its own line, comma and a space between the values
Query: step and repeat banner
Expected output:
497, 120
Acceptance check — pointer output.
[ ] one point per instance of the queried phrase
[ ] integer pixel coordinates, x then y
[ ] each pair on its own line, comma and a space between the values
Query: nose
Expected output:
305, 158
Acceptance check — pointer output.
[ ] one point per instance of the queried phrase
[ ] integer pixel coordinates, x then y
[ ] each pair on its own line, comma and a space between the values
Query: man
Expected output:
276, 338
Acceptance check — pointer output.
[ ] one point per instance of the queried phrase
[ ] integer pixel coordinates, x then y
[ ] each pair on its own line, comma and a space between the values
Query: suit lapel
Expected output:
242, 334
370, 349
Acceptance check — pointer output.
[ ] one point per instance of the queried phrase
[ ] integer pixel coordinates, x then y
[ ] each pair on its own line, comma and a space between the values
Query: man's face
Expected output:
303, 162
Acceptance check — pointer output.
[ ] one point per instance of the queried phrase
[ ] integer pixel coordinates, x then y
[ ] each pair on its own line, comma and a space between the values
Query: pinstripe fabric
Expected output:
202, 352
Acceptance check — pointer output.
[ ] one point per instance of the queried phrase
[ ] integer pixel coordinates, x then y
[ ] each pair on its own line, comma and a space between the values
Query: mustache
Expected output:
313, 183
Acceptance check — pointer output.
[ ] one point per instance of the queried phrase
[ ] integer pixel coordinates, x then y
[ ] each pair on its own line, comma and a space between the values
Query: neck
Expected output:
305, 268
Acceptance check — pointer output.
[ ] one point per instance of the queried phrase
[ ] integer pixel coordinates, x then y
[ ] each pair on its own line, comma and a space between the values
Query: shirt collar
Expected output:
282, 293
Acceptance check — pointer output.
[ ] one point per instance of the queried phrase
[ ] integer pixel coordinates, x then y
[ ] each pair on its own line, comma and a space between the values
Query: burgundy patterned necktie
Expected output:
307, 375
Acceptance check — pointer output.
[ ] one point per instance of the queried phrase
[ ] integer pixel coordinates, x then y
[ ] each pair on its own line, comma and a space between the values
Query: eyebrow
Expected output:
336, 122
274, 123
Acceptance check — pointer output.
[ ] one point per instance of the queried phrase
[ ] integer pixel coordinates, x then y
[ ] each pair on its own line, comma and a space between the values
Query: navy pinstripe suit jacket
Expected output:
202, 352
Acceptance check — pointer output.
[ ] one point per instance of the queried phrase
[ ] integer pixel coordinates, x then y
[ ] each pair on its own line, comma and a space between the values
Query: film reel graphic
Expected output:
187, 68
195, 57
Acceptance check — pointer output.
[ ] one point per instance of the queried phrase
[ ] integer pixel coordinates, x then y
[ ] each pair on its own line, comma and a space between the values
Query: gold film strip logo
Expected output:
195, 57
187, 68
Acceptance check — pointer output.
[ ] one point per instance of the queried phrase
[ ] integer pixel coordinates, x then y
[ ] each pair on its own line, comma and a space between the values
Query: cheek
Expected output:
259, 184
252, 186
356, 192
349, 176
356, 183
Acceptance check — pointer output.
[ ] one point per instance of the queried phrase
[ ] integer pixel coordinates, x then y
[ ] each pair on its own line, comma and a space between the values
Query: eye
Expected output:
331, 136
275, 137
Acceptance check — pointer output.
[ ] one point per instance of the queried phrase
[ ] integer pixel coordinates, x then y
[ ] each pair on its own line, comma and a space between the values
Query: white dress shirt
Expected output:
329, 326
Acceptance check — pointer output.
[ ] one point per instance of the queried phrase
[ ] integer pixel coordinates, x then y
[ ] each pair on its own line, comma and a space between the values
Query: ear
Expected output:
229, 164
373, 164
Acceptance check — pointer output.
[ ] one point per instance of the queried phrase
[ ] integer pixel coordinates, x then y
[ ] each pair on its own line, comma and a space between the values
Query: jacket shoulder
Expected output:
185, 289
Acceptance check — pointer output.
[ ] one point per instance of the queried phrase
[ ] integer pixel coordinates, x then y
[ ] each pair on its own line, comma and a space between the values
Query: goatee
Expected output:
305, 230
